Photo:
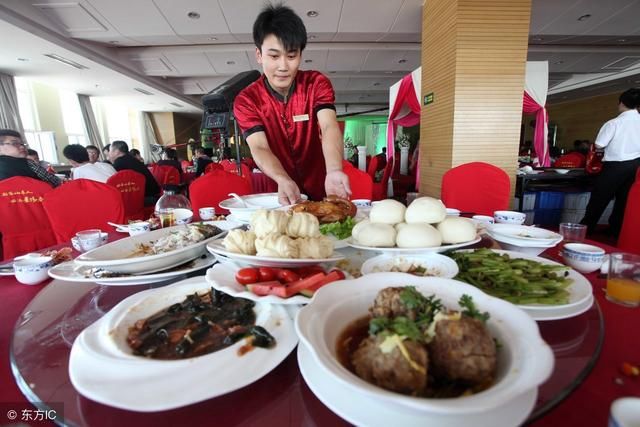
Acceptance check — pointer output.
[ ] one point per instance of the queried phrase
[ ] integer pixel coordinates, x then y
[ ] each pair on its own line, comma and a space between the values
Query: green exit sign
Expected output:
428, 98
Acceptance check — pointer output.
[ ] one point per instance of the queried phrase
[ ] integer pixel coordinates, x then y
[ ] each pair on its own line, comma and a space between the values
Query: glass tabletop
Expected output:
46, 330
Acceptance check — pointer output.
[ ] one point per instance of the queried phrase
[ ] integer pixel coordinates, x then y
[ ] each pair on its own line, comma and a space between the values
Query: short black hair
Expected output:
32, 152
92, 147
631, 98
134, 152
171, 153
76, 152
121, 146
106, 147
282, 22
9, 132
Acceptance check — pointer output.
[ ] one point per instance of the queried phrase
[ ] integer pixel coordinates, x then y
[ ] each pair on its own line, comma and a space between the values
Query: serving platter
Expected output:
395, 250
101, 368
524, 233
436, 265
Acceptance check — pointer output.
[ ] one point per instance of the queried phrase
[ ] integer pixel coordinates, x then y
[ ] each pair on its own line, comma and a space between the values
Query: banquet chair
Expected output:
212, 188
165, 174
380, 188
570, 160
476, 187
82, 204
212, 167
130, 184
360, 182
630, 231
372, 168
25, 226
185, 164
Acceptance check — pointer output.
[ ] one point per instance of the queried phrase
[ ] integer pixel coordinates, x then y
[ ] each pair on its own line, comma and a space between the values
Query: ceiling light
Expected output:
66, 61
175, 104
142, 91
308, 61
402, 61
231, 62
213, 39
621, 40
312, 37
193, 15
584, 17
537, 39
23, 59
388, 72
312, 14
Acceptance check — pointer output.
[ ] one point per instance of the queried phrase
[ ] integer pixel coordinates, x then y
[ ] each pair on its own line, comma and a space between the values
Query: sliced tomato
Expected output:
310, 270
268, 288
287, 276
244, 276
267, 274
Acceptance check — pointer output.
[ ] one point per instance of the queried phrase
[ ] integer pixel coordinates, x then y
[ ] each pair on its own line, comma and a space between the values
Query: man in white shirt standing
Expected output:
620, 138
83, 168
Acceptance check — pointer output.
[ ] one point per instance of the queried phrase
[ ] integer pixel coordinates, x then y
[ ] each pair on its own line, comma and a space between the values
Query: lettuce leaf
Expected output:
341, 229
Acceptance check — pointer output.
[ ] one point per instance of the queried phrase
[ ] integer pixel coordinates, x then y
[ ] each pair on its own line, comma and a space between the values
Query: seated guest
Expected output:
136, 155
122, 160
33, 155
201, 160
170, 158
93, 152
105, 152
14, 162
78, 156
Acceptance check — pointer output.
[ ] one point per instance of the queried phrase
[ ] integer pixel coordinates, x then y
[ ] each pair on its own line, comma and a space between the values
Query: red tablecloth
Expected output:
261, 183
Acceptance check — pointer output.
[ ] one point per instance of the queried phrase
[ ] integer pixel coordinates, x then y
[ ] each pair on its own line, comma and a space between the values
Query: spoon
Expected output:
243, 201
123, 227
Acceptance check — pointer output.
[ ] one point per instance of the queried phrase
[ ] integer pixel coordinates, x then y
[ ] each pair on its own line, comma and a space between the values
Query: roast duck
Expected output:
330, 209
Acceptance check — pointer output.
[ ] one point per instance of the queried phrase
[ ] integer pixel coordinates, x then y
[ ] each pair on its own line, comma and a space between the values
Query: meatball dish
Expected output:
411, 344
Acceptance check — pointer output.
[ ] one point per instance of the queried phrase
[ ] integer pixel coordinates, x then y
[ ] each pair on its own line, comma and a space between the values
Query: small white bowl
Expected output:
182, 216
582, 257
76, 243
436, 265
625, 412
562, 171
32, 270
509, 217
362, 203
207, 213
453, 212
140, 227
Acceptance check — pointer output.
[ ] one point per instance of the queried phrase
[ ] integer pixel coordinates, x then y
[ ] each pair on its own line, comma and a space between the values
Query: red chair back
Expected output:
186, 164
25, 226
628, 240
373, 167
213, 167
165, 174
130, 184
212, 188
476, 187
82, 204
570, 160
360, 182
380, 188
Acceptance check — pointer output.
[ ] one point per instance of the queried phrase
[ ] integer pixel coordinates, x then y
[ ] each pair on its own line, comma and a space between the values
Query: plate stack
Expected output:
523, 238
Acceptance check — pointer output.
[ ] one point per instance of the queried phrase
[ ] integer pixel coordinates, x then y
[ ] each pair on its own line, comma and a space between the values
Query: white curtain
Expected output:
90, 122
148, 141
9, 113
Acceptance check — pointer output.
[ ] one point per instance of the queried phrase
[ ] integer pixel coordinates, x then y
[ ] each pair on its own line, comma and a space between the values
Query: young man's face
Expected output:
12, 146
93, 155
280, 67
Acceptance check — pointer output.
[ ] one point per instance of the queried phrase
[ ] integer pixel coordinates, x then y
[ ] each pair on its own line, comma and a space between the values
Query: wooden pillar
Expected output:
473, 63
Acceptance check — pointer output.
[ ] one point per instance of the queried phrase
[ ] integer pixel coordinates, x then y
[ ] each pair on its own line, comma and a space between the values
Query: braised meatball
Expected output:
391, 370
389, 304
463, 350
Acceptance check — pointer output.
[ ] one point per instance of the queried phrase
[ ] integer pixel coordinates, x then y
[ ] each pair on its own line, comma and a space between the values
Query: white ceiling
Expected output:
364, 46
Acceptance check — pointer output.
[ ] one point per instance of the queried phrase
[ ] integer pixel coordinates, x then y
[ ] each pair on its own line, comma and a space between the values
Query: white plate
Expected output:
217, 248
580, 292
365, 411
70, 272
100, 370
394, 250
222, 277
525, 233
256, 201
115, 256
436, 265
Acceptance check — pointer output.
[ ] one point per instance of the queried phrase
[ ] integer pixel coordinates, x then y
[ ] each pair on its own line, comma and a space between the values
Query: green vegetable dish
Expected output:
519, 281
341, 229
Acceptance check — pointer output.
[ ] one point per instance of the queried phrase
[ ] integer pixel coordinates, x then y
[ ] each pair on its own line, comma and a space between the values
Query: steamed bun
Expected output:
425, 209
276, 246
387, 211
377, 235
240, 242
264, 222
418, 236
303, 224
457, 230
315, 247
355, 231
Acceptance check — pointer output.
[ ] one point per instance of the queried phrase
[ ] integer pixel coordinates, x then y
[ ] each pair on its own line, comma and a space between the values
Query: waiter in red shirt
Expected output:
288, 116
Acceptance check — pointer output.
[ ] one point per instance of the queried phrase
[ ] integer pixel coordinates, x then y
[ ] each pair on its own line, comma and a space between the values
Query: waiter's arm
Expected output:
288, 191
336, 181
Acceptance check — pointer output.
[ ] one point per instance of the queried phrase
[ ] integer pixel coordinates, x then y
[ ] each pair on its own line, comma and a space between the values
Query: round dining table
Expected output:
39, 323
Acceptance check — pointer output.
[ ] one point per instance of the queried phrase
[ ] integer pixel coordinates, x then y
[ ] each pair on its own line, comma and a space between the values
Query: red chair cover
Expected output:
360, 182
165, 174
130, 184
213, 167
230, 166
476, 187
82, 204
570, 160
186, 164
373, 167
380, 188
212, 188
630, 231
24, 226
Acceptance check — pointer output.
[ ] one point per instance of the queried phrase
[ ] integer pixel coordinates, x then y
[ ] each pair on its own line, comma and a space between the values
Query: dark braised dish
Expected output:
412, 345
201, 324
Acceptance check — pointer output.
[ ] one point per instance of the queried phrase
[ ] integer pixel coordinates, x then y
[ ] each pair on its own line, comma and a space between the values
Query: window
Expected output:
26, 105
44, 143
72, 116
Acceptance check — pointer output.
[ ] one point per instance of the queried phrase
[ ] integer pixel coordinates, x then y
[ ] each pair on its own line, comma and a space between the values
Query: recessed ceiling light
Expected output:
308, 61
388, 72
231, 62
213, 39
402, 61
23, 59
621, 40
66, 61
193, 15
312, 37
584, 17
312, 14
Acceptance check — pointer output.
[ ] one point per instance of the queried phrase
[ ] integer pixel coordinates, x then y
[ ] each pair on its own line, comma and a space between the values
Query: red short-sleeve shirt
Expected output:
291, 128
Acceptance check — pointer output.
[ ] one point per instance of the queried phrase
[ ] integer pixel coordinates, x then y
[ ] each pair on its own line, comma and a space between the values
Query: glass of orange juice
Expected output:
623, 282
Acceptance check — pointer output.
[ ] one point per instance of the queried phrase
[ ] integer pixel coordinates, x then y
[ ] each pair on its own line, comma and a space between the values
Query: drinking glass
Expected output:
89, 239
623, 282
572, 232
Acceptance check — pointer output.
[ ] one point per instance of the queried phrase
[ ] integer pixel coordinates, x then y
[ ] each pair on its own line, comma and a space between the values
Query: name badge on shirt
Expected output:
301, 118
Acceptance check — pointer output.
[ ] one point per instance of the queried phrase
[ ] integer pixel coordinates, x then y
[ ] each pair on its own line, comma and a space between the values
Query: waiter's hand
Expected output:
337, 182
288, 192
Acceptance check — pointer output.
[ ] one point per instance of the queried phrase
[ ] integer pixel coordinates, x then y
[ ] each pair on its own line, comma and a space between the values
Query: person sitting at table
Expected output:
288, 116
78, 156
201, 160
135, 153
105, 152
14, 162
33, 155
123, 160
170, 158
93, 152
